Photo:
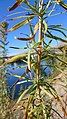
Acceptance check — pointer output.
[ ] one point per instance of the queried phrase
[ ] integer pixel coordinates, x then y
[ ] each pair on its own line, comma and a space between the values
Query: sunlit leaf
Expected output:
19, 25
33, 111
17, 18
15, 58
37, 43
46, 92
62, 4
27, 91
29, 60
32, 7
16, 4
47, 6
15, 75
45, 25
30, 25
14, 13
19, 77
25, 81
36, 28
26, 16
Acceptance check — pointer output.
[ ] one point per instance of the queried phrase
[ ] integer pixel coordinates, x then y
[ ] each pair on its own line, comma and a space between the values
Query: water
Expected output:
12, 79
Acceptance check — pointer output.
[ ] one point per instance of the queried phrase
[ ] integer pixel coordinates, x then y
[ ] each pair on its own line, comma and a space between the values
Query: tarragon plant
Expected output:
38, 100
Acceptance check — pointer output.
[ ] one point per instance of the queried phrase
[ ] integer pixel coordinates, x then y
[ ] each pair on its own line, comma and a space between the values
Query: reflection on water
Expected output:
13, 69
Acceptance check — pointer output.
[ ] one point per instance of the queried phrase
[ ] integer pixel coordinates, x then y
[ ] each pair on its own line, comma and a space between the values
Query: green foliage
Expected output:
39, 99
4, 98
61, 3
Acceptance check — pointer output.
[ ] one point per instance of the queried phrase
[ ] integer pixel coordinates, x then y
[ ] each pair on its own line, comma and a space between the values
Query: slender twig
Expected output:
40, 37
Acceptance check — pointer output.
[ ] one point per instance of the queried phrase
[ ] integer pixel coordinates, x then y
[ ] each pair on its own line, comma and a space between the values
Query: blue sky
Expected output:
4, 4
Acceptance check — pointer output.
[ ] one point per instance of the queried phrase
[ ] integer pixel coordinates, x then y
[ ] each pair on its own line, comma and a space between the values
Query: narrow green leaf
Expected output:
47, 6
32, 7
13, 59
45, 25
63, 61
46, 92
27, 16
20, 24
63, 28
55, 26
36, 28
49, 42
58, 30
15, 75
33, 111
30, 25
29, 62
22, 95
55, 37
35, 3
25, 81
37, 43
62, 4
29, 90
14, 47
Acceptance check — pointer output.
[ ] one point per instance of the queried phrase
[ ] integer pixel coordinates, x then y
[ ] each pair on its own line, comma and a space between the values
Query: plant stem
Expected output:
40, 38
